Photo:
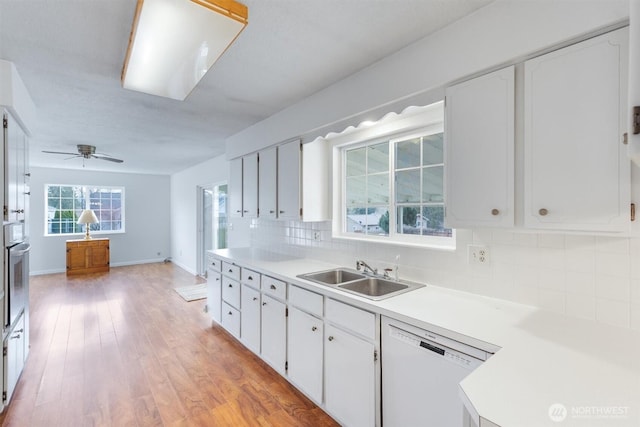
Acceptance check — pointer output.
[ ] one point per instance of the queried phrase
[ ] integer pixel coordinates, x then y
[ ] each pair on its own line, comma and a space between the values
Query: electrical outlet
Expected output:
316, 235
478, 254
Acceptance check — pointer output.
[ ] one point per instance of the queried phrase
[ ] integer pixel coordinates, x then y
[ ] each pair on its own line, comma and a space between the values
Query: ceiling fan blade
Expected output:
110, 159
60, 152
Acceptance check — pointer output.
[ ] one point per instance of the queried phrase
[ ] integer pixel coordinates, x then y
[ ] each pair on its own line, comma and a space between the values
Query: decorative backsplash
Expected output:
592, 277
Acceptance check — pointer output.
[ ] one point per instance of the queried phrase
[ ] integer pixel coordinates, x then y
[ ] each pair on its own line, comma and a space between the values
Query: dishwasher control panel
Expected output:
453, 356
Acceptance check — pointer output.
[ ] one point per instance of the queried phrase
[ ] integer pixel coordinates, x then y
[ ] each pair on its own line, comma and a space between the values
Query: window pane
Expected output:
408, 186
408, 153
432, 184
378, 189
356, 190
432, 150
378, 158
433, 221
407, 218
356, 160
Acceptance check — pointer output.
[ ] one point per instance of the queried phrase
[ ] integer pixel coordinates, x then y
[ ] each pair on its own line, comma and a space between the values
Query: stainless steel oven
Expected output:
16, 274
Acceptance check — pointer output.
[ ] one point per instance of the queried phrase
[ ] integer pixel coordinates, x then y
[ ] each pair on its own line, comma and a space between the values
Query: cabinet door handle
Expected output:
272, 287
272, 212
281, 212
330, 338
238, 211
245, 211
264, 303
495, 212
543, 212
313, 328
255, 298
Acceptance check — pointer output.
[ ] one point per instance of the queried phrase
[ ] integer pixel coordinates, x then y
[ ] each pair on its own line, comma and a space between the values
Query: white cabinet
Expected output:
479, 141
243, 186
14, 357
15, 169
305, 345
214, 295
289, 173
267, 181
274, 333
235, 187
231, 319
250, 318
577, 173
350, 385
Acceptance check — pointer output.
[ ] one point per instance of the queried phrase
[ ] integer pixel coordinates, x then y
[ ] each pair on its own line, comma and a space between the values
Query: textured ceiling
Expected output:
70, 54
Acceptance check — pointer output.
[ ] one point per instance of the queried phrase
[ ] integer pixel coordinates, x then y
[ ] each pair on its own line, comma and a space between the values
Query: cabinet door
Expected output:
267, 182
14, 358
274, 333
349, 378
235, 187
289, 180
12, 134
250, 186
305, 352
577, 174
250, 319
479, 147
214, 294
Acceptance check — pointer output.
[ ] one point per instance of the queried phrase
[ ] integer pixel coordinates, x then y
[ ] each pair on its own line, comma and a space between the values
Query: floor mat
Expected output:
192, 293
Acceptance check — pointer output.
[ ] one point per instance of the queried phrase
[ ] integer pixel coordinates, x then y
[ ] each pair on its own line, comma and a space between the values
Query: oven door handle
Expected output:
21, 252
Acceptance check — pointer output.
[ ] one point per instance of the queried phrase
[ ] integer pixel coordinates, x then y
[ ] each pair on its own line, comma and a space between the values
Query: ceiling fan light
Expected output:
173, 43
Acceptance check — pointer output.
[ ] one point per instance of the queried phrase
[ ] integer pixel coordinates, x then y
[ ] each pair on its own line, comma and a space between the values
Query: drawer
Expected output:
274, 287
359, 321
214, 263
231, 319
250, 277
306, 300
231, 292
231, 270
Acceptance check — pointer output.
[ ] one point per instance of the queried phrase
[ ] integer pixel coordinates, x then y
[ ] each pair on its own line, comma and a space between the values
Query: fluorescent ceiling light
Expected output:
173, 43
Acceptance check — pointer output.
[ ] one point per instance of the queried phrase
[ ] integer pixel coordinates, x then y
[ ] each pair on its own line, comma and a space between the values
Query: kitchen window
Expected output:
65, 203
392, 188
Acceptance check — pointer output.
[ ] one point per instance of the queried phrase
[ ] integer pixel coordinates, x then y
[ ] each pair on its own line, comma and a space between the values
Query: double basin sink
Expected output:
364, 285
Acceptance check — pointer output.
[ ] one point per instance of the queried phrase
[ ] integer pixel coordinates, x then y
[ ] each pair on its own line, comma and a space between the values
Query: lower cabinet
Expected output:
214, 295
250, 318
231, 319
350, 378
274, 333
14, 349
305, 342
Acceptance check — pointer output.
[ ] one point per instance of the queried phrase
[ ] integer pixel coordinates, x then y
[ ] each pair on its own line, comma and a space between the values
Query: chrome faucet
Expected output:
361, 264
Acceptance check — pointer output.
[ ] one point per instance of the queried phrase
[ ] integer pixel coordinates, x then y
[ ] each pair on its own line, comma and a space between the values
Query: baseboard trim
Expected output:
118, 264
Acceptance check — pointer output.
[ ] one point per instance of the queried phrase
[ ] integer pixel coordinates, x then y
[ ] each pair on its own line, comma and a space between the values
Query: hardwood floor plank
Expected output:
122, 349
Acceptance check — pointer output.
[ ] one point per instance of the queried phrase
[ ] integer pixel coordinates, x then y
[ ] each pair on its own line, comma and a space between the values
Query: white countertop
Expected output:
542, 358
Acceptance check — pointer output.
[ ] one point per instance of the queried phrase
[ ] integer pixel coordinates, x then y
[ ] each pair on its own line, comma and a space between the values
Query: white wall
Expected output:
499, 33
184, 215
145, 240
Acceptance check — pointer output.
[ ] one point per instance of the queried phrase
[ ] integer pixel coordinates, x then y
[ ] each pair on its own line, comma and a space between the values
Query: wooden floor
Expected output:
123, 349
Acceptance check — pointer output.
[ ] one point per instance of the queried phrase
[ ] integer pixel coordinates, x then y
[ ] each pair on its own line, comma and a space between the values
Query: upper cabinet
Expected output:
289, 185
267, 180
288, 181
243, 186
576, 171
16, 175
479, 141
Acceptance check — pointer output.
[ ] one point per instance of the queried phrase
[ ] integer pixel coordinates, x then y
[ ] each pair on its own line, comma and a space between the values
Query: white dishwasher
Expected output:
421, 371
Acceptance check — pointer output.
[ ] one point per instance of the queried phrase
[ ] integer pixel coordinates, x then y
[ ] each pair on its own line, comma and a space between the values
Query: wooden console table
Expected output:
87, 256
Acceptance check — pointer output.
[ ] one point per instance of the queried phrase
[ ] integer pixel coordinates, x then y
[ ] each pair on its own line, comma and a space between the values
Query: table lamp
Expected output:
87, 217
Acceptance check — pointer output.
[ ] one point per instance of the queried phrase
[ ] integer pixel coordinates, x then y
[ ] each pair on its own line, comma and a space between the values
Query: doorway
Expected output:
212, 221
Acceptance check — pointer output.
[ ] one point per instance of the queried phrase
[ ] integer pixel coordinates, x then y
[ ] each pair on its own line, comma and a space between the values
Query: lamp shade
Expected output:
173, 43
88, 217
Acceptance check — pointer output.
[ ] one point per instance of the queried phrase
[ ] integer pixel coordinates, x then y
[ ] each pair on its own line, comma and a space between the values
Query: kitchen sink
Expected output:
333, 277
364, 285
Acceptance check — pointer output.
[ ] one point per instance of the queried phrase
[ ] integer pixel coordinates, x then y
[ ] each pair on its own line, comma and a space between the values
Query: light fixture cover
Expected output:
173, 43
88, 217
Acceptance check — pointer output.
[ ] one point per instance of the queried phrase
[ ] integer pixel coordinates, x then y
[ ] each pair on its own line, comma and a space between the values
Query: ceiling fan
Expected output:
86, 152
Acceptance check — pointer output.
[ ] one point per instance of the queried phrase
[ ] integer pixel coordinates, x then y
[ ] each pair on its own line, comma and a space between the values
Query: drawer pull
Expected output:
330, 338
273, 287
543, 212
250, 278
264, 303
255, 298
495, 212
230, 271
230, 314
230, 285
313, 328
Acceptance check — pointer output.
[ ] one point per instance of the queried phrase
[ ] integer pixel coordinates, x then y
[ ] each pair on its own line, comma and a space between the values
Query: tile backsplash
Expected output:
593, 277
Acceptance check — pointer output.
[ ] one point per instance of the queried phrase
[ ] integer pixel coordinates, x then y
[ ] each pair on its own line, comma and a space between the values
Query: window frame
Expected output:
363, 139
86, 188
